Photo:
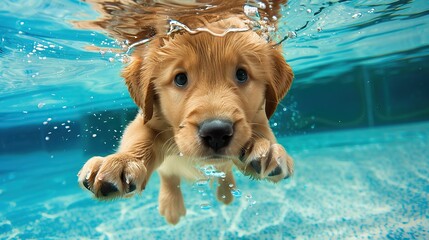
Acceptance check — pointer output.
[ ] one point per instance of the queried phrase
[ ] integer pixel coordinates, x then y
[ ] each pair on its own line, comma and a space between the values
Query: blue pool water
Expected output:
356, 121
352, 184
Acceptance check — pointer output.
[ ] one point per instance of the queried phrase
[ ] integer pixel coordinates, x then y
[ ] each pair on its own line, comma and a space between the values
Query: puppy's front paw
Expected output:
264, 160
117, 175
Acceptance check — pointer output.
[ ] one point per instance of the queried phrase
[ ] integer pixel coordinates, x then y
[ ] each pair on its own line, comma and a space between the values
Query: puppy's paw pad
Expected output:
107, 188
132, 188
275, 172
256, 165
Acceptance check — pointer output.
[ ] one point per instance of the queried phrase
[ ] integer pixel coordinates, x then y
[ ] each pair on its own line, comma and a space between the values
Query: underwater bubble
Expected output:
45, 123
309, 10
205, 206
252, 12
94, 135
203, 193
291, 34
47, 138
261, 5
231, 185
202, 182
180, 154
49, 119
236, 193
219, 174
125, 59
111, 59
208, 170
357, 15
40, 105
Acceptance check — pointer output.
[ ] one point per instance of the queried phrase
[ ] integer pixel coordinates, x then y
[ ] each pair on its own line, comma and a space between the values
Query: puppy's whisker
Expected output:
166, 146
163, 131
169, 146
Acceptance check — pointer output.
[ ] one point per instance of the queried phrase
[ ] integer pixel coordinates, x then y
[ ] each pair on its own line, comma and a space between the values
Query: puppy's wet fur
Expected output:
204, 100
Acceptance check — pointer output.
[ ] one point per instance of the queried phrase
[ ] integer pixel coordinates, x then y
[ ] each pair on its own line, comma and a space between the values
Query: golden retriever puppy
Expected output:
204, 100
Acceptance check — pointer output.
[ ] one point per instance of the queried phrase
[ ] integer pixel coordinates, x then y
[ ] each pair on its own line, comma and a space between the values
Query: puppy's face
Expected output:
211, 90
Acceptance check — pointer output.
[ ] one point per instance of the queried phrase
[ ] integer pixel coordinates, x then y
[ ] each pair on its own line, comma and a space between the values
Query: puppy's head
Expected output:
211, 90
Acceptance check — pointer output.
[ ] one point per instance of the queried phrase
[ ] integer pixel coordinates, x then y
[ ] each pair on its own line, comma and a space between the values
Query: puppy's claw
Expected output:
86, 184
88, 175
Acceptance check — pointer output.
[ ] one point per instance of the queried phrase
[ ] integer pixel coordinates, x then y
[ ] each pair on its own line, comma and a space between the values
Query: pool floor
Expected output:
370, 183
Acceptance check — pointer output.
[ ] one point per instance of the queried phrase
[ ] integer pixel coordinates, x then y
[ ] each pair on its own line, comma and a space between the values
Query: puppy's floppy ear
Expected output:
279, 83
140, 87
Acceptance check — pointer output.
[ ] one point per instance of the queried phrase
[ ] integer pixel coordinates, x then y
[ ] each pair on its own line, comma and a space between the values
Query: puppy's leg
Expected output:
264, 158
123, 173
171, 204
225, 186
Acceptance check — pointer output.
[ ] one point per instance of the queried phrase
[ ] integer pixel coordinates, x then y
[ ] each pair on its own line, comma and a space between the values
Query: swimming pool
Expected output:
361, 67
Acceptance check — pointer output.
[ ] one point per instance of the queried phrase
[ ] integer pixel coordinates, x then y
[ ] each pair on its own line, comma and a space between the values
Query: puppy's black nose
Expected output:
216, 133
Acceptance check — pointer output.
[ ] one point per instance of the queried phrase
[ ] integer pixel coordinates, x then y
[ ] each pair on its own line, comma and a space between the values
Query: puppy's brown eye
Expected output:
241, 75
181, 80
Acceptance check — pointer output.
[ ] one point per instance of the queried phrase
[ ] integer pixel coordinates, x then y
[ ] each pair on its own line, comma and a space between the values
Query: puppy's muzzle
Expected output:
216, 133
